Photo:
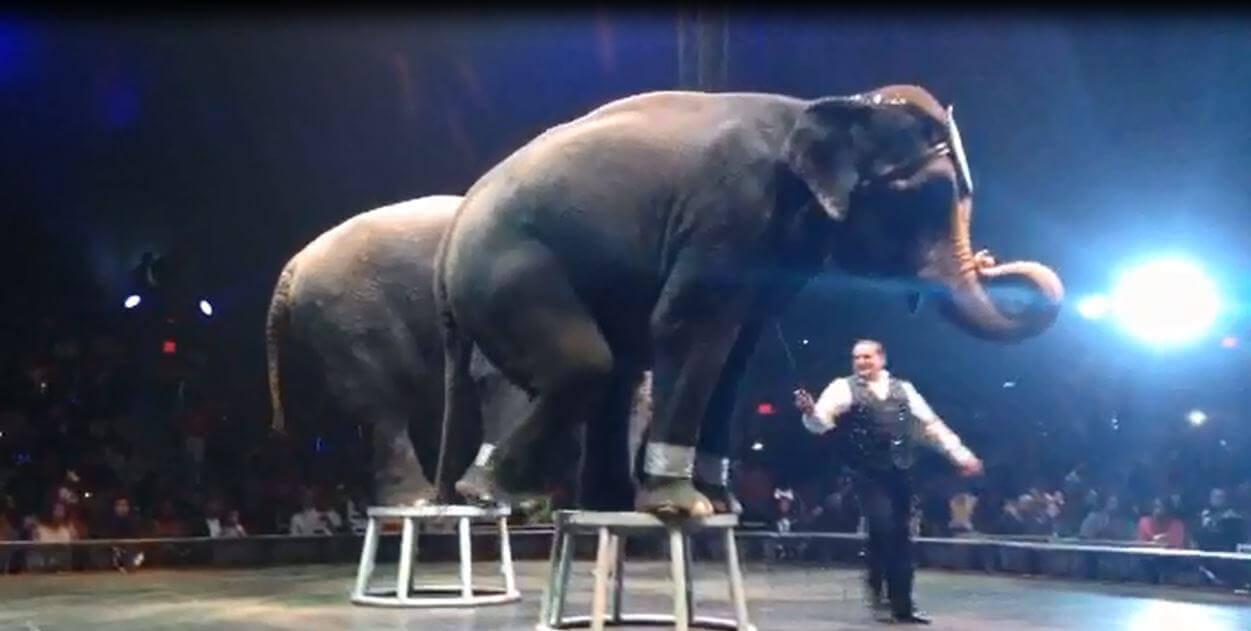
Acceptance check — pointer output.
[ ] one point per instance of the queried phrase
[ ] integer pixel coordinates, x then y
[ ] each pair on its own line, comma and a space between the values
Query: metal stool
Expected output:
610, 556
405, 593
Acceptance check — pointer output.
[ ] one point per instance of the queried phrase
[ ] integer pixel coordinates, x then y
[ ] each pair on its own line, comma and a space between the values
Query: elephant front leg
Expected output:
712, 457
691, 354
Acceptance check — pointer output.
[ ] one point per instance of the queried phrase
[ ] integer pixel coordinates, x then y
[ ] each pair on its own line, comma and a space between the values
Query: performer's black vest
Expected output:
880, 433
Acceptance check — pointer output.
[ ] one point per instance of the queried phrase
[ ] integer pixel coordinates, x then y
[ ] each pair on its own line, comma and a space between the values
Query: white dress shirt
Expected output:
836, 399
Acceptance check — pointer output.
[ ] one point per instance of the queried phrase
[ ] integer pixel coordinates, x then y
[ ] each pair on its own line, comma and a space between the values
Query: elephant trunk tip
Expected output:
1005, 302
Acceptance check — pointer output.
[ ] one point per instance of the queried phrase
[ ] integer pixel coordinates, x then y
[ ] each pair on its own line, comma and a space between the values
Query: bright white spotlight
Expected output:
1167, 302
206, 308
132, 301
757, 446
1196, 417
1094, 307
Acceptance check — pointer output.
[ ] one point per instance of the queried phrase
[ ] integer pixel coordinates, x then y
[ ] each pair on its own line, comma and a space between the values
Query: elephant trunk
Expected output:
979, 296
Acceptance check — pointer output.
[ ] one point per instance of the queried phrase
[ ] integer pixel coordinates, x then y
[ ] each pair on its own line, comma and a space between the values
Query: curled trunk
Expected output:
1006, 302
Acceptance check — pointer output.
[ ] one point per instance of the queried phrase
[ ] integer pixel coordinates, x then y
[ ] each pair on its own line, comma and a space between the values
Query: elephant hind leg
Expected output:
540, 334
606, 484
368, 398
398, 478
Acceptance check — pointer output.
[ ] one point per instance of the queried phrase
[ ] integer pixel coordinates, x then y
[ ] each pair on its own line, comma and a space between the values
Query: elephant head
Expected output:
889, 167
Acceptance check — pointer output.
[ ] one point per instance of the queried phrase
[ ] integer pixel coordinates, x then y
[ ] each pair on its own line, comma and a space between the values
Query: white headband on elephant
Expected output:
957, 152
951, 147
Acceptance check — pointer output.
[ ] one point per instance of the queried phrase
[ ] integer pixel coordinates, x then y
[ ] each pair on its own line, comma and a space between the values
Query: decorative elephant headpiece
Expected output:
845, 143
897, 147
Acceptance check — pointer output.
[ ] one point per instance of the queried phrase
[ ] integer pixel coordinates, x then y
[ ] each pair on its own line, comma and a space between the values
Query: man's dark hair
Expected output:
881, 348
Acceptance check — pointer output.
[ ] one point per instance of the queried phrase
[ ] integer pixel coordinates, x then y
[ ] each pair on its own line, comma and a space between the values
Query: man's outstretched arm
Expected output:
936, 433
820, 417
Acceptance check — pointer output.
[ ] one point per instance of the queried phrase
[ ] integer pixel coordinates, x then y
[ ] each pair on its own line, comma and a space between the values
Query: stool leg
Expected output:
617, 545
736, 581
404, 580
466, 560
553, 571
599, 597
677, 560
506, 558
368, 553
553, 608
690, 578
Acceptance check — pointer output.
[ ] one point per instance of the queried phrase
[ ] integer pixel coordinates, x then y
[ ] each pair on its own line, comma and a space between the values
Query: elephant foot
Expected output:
723, 500
672, 498
398, 478
530, 462
477, 487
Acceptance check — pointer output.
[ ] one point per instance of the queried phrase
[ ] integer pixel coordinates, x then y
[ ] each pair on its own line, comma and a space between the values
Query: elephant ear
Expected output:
821, 149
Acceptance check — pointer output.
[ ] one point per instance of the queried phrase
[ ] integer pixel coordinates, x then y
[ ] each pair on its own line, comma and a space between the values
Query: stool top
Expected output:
440, 510
639, 521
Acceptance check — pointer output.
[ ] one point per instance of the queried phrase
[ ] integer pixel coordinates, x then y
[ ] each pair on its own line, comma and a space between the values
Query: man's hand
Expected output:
971, 467
804, 402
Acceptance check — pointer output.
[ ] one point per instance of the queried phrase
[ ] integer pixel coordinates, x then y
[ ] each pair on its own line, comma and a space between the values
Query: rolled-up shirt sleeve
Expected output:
834, 400
934, 431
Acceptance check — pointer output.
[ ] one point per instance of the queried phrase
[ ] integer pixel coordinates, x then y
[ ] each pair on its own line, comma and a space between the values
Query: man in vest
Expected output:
884, 418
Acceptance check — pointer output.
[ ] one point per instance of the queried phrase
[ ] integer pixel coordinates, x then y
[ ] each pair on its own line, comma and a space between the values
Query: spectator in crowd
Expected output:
351, 500
53, 526
963, 505
1162, 526
786, 513
1091, 503
231, 526
121, 523
1013, 519
210, 525
314, 519
1221, 526
1100, 523
1039, 514
167, 523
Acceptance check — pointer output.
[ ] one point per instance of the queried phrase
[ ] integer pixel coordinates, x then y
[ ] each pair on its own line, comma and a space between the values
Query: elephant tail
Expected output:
275, 328
460, 394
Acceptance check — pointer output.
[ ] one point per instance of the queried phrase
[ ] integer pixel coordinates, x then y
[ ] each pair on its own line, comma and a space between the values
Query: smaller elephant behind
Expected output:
352, 336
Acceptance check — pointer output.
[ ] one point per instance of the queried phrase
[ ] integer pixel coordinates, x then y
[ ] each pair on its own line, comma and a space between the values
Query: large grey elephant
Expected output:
663, 229
352, 334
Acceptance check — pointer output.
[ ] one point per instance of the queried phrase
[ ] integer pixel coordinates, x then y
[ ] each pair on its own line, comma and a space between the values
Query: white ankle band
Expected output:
672, 461
484, 454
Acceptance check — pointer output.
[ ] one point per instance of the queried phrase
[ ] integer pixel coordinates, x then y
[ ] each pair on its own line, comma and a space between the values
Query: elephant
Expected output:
662, 229
352, 318
352, 326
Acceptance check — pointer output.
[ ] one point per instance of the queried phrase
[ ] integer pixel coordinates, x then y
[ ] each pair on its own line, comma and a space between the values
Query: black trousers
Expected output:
886, 503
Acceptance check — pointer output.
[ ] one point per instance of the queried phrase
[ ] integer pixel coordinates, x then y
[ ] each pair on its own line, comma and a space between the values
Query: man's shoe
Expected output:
914, 617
